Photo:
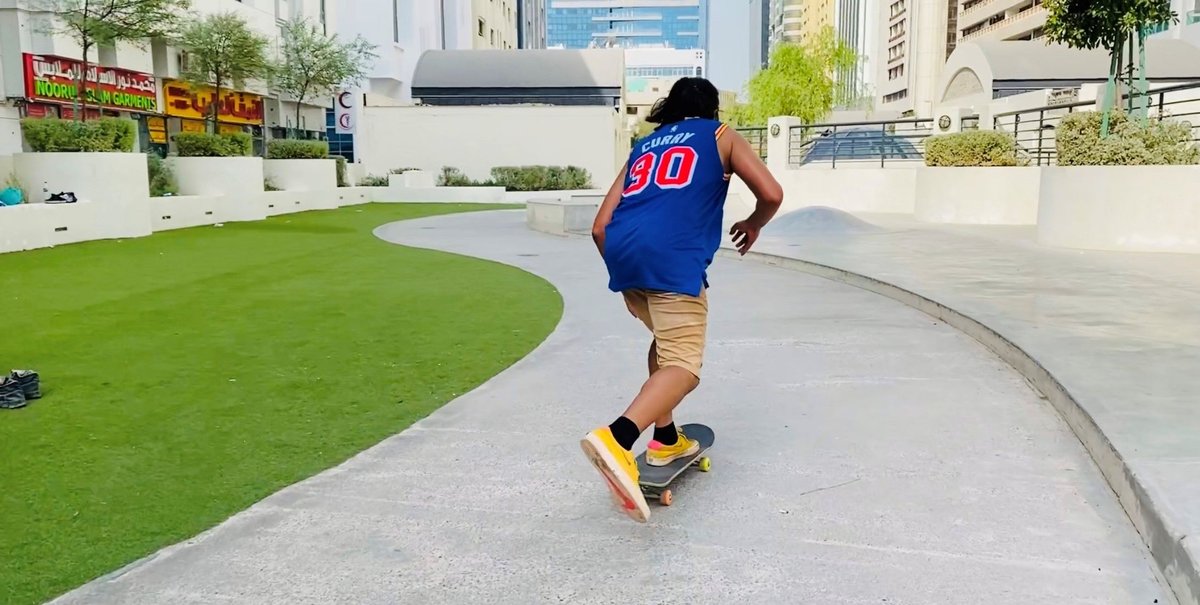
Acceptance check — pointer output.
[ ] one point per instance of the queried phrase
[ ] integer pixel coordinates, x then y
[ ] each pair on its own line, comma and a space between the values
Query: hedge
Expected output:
162, 179
205, 145
522, 178
972, 148
1130, 142
541, 178
297, 150
53, 134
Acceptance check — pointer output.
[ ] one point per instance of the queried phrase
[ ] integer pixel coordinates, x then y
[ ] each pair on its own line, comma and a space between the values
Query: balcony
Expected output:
1012, 27
984, 10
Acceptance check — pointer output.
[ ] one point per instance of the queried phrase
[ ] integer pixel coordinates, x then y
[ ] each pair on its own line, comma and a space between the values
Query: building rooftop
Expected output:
592, 68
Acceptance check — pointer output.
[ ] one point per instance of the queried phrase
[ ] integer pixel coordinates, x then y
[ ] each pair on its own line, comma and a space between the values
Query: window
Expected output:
896, 30
896, 96
482, 26
897, 8
492, 37
896, 72
896, 52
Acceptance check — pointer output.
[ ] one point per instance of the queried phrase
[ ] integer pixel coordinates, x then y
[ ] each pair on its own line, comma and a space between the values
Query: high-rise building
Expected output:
786, 22
679, 24
817, 15
916, 39
531, 24
760, 33
495, 23
979, 20
857, 25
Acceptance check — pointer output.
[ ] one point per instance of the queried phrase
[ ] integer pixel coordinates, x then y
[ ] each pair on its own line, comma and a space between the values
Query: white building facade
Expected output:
916, 38
411, 28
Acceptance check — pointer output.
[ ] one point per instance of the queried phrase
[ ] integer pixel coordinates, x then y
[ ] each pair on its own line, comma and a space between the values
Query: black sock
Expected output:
666, 435
625, 432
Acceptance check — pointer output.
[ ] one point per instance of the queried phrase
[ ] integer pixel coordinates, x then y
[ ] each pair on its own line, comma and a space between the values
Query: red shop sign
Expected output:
54, 79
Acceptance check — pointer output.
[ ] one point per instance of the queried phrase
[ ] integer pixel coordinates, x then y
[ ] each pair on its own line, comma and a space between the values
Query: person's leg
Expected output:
664, 426
679, 323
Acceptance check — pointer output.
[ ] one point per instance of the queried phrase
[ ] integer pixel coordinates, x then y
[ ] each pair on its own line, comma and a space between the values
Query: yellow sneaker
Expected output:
661, 455
620, 472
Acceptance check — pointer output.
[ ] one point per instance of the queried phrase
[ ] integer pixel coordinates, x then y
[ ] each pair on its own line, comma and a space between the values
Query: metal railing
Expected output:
1034, 129
757, 137
860, 142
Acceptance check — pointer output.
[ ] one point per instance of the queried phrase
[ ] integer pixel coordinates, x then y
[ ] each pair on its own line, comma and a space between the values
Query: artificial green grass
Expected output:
189, 374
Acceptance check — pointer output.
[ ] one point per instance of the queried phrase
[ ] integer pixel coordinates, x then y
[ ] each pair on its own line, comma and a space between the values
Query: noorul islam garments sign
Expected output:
56, 80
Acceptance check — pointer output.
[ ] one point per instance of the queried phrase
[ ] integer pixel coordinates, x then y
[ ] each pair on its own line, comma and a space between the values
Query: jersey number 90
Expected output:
673, 169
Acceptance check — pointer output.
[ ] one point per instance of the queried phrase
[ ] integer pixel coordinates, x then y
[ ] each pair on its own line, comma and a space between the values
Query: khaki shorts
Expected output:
678, 322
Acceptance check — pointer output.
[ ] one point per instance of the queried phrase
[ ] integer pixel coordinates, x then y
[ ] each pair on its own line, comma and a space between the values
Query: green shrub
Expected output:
453, 177
342, 181
52, 134
972, 148
401, 170
162, 179
373, 181
1130, 142
541, 178
205, 145
297, 150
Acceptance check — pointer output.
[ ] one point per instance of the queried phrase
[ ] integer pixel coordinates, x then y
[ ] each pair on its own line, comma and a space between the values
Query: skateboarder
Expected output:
657, 230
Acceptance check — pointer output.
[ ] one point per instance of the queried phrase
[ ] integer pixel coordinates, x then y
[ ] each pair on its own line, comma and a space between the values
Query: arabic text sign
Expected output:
183, 101
55, 79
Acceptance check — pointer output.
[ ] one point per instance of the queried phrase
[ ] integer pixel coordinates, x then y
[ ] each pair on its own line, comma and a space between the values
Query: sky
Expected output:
729, 44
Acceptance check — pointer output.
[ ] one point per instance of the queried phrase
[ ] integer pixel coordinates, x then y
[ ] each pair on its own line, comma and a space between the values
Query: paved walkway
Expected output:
1120, 331
865, 454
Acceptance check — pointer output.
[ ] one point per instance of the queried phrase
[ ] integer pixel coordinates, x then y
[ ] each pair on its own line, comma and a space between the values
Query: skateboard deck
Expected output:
654, 480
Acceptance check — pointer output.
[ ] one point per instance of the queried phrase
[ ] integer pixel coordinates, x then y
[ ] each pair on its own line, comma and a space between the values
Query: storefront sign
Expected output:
183, 101
54, 79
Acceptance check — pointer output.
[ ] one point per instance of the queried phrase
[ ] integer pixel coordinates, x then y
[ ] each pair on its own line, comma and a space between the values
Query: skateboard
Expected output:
654, 479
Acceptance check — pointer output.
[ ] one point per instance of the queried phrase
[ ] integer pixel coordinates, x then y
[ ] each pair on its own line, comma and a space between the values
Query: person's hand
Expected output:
744, 233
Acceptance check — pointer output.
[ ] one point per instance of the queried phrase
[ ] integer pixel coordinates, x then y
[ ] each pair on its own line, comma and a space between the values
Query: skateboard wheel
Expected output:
705, 464
665, 497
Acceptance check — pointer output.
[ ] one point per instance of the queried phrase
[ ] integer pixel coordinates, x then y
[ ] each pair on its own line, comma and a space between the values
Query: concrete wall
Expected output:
978, 196
476, 139
889, 190
1128, 208
301, 175
10, 134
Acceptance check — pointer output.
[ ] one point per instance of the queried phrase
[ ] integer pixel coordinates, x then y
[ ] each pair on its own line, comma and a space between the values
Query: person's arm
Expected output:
605, 213
744, 162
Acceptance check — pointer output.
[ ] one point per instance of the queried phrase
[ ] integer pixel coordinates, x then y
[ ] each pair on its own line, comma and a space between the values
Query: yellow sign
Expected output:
158, 129
192, 126
183, 101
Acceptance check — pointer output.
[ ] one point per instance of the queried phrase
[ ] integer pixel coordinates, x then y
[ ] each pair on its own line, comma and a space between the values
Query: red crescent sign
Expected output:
342, 100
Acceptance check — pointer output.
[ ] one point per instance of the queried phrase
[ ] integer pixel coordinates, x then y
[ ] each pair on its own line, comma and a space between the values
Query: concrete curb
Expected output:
1164, 540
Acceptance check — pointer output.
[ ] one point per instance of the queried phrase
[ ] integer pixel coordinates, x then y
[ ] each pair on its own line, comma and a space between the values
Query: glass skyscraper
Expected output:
679, 24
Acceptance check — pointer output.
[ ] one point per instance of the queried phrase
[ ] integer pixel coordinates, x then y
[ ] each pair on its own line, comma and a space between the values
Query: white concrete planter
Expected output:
884, 190
978, 195
31, 226
218, 176
274, 203
1128, 208
301, 175
413, 178
95, 177
182, 211
562, 217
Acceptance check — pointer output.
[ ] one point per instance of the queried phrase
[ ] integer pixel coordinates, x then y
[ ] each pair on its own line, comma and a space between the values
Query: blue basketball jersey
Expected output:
667, 226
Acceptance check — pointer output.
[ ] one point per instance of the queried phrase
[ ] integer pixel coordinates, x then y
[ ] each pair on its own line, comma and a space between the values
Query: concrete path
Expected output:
1120, 332
865, 454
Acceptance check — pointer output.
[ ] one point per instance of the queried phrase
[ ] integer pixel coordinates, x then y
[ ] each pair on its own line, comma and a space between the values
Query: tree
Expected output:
93, 23
314, 64
222, 49
800, 81
1108, 24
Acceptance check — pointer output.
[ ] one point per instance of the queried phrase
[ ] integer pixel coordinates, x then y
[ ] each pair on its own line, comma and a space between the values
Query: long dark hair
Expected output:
689, 98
